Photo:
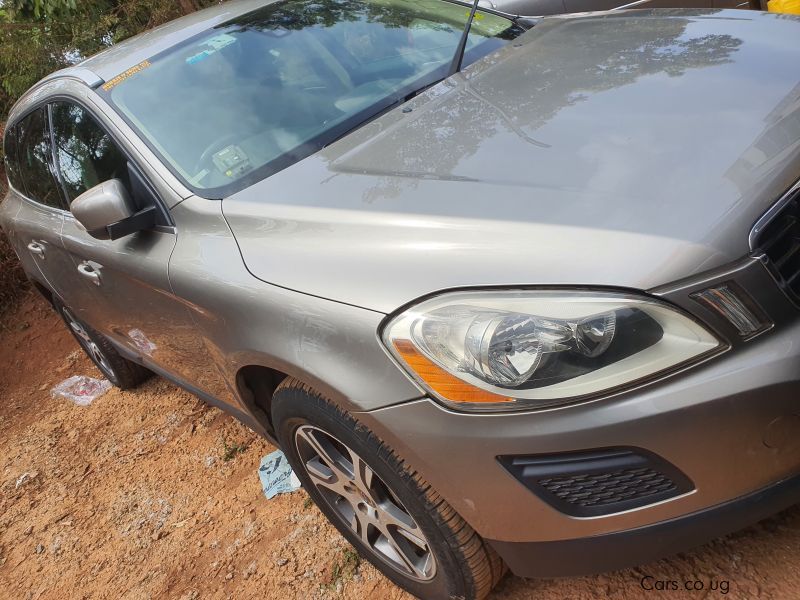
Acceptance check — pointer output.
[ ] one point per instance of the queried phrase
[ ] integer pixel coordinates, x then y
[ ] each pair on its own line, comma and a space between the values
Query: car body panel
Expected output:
132, 303
589, 137
328, 345
40, 226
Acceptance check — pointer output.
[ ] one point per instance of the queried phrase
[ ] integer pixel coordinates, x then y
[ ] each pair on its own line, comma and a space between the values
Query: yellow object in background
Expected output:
791, 7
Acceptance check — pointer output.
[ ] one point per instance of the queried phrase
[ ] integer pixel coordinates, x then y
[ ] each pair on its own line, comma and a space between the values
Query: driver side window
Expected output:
86, 154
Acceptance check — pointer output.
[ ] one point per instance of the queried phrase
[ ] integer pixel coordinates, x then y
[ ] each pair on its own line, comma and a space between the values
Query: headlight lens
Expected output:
520, 349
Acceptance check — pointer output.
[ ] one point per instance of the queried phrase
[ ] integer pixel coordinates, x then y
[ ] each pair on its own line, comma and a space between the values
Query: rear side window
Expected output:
12, 166
86, 154
34, 157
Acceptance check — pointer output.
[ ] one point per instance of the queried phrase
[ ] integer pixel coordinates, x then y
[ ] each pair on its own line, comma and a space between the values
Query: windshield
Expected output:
259, 93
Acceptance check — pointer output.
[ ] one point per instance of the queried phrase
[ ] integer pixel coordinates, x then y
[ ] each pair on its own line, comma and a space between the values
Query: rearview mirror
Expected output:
107, 213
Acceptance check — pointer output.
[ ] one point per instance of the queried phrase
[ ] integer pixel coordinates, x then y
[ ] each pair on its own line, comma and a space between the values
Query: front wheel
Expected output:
381, 506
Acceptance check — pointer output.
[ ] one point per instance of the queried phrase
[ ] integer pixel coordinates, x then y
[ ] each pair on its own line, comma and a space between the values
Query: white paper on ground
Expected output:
276, 475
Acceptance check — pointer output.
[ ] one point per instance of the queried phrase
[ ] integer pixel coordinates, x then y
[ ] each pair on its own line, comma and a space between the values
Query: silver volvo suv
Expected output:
509, 293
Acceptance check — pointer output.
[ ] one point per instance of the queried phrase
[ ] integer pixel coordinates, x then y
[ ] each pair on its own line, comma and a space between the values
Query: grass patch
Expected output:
343, 569
231, 451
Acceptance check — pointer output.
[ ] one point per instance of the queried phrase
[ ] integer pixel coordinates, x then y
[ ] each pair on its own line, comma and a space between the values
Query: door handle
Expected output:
90, 270
36, 248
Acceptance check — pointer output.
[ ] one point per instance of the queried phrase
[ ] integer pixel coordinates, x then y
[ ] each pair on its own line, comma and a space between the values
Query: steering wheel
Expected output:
213, 148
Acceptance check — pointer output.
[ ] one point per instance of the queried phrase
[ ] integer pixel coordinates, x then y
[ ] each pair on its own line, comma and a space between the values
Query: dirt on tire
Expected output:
150, 493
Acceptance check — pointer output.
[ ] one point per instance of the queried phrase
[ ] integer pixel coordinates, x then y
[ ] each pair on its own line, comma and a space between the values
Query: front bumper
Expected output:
612, 551
731, 425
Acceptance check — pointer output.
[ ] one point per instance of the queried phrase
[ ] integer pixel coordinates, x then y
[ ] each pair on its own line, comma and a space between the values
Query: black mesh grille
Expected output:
780, 242
608, 488
599, 482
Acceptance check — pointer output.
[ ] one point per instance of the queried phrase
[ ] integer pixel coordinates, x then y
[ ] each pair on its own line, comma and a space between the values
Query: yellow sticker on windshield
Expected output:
109, 85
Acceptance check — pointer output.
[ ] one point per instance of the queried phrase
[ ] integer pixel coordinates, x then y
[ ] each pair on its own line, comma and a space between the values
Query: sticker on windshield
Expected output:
213, 45
109, 85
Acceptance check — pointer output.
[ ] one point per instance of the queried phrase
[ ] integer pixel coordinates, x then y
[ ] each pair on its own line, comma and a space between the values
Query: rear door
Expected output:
38, 222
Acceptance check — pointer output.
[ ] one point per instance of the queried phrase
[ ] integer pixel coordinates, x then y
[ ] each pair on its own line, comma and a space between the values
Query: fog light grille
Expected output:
608, 488
599, 482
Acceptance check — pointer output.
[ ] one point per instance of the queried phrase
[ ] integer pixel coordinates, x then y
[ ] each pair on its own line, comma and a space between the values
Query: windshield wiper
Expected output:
455, 64
392, 101
458, 57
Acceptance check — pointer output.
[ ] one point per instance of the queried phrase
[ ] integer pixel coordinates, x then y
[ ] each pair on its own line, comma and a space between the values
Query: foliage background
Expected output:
38, 37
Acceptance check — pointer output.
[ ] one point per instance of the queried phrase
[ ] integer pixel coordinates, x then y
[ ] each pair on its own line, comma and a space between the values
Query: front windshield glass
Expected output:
255, 95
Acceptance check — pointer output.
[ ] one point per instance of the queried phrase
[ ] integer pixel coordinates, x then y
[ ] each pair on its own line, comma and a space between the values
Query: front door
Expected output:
125, 292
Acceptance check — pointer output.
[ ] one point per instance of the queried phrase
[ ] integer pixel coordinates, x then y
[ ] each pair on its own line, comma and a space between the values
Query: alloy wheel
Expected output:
363, 501
88, 344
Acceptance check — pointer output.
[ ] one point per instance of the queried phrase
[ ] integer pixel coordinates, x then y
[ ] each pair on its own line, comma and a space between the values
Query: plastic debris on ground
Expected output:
25, 478
80, 389
276, 475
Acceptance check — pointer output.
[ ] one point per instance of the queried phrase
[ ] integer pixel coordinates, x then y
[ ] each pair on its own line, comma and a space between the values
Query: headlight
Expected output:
524, 349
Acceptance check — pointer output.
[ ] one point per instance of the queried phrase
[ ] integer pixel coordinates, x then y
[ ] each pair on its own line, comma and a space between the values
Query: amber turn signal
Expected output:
440, 381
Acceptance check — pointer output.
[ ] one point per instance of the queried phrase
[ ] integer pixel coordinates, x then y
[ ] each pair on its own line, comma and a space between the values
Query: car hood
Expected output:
621, 149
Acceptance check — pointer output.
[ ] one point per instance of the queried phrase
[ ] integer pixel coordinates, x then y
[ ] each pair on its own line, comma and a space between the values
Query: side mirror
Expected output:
106, 212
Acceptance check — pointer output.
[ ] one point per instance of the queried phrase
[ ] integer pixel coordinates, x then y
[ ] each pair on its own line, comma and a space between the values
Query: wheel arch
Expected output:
256, 382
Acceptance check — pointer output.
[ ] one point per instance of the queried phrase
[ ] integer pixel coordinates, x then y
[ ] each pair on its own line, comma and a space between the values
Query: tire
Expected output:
457, 562
121, 372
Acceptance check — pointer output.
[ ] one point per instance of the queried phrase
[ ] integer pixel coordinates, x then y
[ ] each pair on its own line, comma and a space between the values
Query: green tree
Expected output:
40, 36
